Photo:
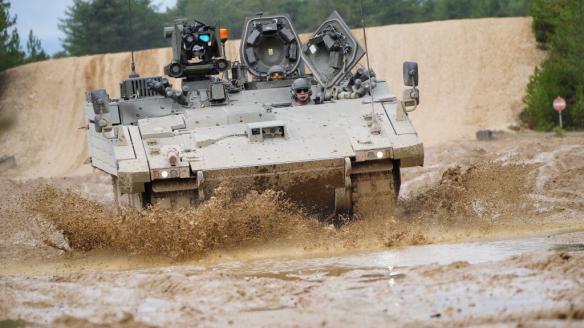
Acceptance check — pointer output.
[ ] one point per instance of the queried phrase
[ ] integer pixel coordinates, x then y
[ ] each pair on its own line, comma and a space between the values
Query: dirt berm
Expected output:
473, 75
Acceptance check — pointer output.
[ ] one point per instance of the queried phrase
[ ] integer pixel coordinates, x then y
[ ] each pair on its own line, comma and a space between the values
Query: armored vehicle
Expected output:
339, 150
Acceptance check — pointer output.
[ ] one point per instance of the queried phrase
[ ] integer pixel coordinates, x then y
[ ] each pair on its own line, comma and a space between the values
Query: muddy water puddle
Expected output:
295, 267
94, 261
390, 261
269, 286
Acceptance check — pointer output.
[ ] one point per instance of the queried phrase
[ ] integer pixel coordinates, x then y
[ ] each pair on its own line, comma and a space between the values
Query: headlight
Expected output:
171, 173
373, 154
376, 154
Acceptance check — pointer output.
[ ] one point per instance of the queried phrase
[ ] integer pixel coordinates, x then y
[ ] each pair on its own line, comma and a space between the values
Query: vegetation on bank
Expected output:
102, 26
11, 53
559, 28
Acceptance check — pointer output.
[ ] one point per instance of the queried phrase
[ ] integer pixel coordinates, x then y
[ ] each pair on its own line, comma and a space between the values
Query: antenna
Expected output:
133, 73
366, 50
375, 125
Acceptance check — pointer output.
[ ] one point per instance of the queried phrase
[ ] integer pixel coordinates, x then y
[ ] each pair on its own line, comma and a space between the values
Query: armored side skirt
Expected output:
311, 184
321, 187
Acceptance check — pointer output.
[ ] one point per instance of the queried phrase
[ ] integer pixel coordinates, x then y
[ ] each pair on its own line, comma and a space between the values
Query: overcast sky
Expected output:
42, 16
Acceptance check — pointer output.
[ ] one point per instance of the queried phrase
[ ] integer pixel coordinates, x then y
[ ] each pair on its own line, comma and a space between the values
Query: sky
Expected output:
42, 16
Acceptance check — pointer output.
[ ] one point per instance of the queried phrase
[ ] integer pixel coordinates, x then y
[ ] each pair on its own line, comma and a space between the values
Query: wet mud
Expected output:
479, 237
492, 193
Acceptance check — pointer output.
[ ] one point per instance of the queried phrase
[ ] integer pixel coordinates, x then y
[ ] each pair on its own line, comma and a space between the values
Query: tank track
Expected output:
172, 199
126, 200
371, 189
374, 188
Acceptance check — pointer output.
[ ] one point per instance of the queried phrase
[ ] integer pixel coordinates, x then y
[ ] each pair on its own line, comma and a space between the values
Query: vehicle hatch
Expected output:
332, 51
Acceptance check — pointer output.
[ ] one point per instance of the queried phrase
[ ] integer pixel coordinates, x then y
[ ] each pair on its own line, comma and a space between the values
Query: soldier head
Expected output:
276, 73
301, 91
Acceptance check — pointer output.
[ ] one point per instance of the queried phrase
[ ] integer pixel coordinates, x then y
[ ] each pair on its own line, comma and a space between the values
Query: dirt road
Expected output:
491, 235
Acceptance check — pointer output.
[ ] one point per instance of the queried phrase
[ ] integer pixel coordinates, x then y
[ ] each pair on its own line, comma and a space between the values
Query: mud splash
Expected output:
226, 222
483, 192
223, 222
469, 201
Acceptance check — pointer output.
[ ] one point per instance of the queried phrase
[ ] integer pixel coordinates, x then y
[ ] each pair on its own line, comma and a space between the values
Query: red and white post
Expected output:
560, 105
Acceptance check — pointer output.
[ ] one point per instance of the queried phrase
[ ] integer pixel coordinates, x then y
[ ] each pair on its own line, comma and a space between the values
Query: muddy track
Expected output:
256, 259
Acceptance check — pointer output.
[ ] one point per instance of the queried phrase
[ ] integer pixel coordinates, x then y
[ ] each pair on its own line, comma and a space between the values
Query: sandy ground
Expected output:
485, 234
493, 230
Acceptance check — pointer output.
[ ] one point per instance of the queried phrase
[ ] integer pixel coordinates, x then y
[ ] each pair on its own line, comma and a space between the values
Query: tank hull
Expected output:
340, 152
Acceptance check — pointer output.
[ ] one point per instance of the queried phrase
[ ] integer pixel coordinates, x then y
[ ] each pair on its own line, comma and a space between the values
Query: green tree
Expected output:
562, 74
451, 9
60, 54
499, 8
10, 52
101, 26
34, 50
457, 9
545, 18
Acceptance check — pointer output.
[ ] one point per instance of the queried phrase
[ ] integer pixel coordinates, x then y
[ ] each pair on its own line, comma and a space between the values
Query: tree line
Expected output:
98, 26
11, 52
558, 26
308, 14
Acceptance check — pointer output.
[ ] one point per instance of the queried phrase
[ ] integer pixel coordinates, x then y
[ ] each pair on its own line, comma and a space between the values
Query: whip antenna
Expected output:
366, 50
133, 73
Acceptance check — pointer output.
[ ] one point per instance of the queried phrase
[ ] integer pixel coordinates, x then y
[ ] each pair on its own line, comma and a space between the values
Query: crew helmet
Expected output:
301, 84
276, 72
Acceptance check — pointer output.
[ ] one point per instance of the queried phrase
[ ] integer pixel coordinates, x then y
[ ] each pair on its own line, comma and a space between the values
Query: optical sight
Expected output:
197, 48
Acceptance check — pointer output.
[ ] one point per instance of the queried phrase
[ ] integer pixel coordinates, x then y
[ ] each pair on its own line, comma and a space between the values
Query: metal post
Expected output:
561, 125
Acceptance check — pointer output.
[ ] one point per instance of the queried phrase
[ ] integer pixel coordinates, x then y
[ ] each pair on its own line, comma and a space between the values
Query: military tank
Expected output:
340, 152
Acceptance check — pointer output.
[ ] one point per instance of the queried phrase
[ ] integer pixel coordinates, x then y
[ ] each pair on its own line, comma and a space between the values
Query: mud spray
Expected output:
467, 202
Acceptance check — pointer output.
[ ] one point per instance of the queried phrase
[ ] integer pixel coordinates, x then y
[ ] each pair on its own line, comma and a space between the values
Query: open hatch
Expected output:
332, 51
269, 41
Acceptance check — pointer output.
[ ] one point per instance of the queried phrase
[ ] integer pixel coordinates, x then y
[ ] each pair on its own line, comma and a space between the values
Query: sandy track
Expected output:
473, 75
